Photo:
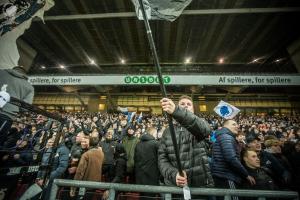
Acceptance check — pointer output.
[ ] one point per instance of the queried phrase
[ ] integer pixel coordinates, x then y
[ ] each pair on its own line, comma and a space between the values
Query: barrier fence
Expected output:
167, 191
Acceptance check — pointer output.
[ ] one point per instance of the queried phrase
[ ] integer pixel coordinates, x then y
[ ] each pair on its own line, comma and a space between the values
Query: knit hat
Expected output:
251, 138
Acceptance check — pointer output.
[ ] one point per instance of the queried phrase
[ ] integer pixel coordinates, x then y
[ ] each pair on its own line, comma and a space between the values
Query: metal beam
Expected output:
89, 40
169, 189
163, 63
185, 12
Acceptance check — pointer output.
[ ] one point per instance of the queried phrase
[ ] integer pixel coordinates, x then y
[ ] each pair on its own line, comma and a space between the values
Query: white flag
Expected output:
226, 110
161, 9
130, 116
4, 96
140, 117
123, 109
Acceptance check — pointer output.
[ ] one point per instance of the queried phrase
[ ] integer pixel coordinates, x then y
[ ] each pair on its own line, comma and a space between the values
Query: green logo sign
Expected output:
135, 79
145, 79
150, 79
127, 79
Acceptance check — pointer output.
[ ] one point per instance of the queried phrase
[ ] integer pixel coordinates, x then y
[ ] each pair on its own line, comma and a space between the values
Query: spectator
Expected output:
278, 173
58, 165
252, 164
21, 156
227, 170
191, 132
129, 142
273, 146
85, 143
76, 152
14, 134
294, 158
77, 145
120, 167
241, 139
145, 160
90, 165
108, 148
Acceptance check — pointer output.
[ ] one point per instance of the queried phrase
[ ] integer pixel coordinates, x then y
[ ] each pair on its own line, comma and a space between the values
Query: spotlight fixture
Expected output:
62, 66
187, 60
92, 62
43, 67
221, 60
122, 61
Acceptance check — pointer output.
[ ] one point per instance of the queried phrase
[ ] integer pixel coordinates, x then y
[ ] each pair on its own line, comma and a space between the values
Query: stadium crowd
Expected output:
254, 152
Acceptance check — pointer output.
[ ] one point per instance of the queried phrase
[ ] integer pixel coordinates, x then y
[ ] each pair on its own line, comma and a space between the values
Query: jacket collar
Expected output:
224, 131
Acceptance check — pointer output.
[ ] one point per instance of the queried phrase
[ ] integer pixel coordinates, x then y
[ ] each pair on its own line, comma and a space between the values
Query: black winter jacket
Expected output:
121, 164
145, 161
190, 135
263, 181
108, 148
226, 162
279, 173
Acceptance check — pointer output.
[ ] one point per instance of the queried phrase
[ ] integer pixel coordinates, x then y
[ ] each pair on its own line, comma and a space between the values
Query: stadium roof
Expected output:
214, 37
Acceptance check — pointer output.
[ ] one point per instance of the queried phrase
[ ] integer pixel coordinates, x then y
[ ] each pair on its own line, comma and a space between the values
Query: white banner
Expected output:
267, 80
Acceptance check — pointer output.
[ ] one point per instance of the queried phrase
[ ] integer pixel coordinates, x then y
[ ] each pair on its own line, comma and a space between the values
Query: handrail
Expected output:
167, 190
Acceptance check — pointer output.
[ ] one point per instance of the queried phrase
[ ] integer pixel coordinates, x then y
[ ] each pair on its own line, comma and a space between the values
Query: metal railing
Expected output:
166, 191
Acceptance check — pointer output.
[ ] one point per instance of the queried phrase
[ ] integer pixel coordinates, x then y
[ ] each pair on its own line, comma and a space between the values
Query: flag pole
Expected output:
161, 83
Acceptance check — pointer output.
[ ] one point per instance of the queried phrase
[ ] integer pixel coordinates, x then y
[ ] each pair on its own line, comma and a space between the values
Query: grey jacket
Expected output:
18, 87
190, 135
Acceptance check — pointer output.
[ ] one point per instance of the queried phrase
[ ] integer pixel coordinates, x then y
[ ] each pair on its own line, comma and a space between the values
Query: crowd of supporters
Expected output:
121, 148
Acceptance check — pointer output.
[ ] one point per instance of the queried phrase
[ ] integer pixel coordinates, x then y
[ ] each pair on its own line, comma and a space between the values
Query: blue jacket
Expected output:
59, 165
226, 162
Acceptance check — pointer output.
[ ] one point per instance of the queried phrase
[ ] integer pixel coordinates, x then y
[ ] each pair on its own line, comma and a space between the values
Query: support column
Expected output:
93, 104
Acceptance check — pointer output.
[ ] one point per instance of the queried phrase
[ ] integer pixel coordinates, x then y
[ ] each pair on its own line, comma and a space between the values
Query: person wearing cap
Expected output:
191, 132
278, 172
129, 142
17, 87
145, 160
227, 169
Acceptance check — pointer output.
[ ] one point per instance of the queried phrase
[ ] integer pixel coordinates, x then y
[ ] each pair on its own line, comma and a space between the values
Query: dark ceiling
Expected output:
237, 37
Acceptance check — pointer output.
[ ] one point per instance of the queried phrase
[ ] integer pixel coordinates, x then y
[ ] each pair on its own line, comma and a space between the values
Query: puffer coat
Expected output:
190, 135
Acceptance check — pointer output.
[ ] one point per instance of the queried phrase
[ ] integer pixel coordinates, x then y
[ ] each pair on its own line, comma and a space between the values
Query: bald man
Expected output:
227, 170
